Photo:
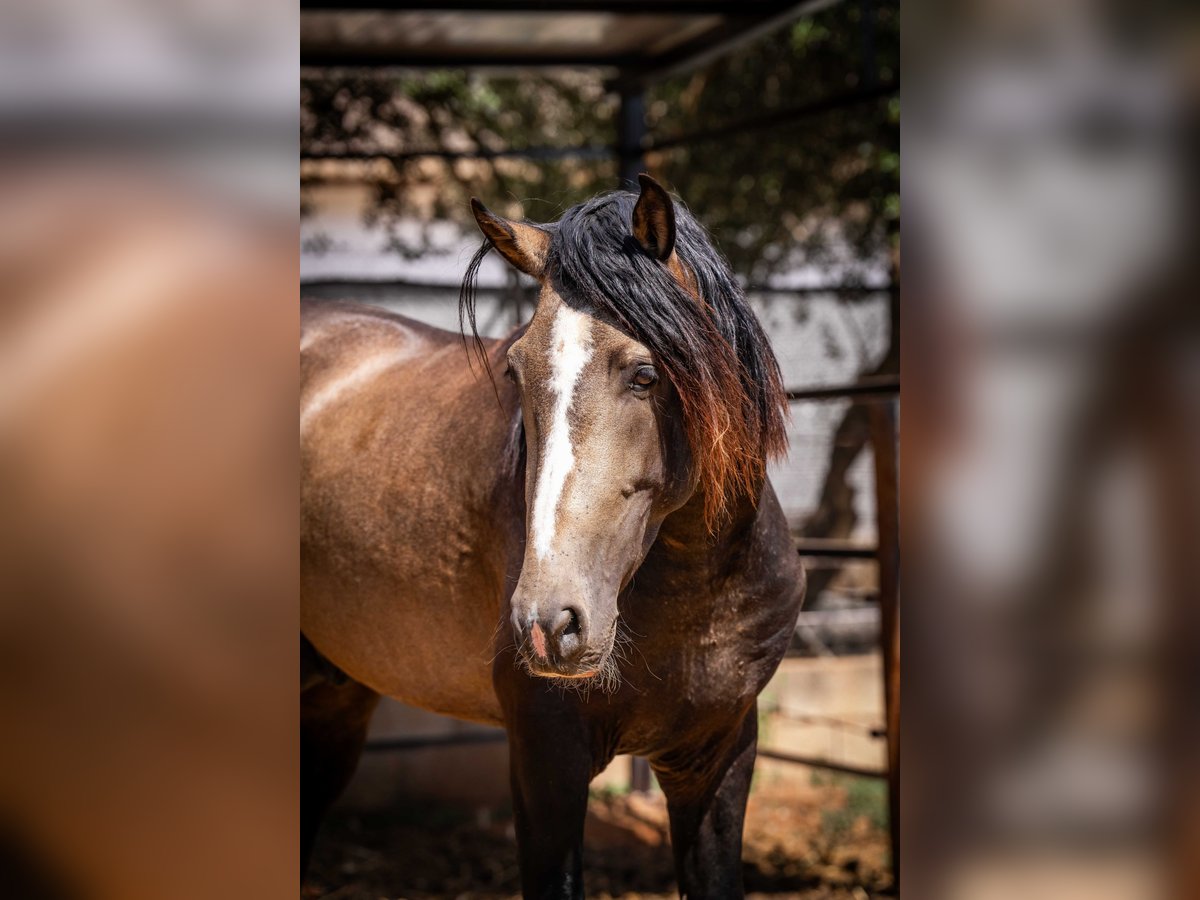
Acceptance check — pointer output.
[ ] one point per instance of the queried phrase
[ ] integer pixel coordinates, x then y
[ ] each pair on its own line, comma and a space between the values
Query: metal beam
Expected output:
873, 387
817, 763
718, 42
593, 151
740, 23
606, 153
614, 7
779, 116
853, 290
344, 58
833, 549
383, 745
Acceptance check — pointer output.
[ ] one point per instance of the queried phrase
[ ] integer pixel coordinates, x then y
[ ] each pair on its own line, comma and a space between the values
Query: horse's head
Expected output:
609, 454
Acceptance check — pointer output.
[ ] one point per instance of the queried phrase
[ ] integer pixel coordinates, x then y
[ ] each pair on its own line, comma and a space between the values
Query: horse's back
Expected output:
330, 318
340, 336
380, 380
403, 549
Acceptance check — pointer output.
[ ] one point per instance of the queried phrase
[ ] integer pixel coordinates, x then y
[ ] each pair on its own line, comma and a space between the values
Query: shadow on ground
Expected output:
823, 841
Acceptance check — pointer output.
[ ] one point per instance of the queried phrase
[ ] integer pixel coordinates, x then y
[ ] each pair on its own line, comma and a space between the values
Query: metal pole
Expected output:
639, 774
887, 493
870, 66
631, 131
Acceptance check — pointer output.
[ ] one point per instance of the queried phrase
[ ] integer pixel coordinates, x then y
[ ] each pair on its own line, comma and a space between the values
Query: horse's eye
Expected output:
643, 379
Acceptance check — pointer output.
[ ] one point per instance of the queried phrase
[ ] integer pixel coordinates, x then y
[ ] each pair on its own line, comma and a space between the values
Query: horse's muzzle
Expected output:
552, 640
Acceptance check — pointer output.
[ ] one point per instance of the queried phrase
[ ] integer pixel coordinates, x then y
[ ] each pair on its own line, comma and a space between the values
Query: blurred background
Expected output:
778, 124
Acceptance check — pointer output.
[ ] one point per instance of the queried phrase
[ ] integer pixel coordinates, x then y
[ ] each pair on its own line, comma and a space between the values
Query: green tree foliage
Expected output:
777, 190
810, 188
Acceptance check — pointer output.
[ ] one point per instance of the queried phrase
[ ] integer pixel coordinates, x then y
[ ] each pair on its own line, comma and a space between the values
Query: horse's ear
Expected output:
525, 246
654, 219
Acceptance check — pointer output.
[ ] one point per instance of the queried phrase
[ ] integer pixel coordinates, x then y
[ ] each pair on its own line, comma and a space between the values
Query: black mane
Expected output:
596, 262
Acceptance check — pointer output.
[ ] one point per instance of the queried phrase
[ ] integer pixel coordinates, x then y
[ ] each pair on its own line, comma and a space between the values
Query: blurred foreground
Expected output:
148, 560
1051, 430
147, 540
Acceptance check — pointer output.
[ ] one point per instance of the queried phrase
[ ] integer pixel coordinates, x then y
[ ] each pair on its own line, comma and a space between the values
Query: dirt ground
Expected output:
815, 838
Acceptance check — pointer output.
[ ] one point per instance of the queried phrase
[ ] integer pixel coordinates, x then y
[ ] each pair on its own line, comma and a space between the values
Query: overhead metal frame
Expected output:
741, 22
622, 7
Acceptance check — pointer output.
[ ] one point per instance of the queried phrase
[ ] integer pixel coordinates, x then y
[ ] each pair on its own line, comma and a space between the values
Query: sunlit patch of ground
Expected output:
809, 838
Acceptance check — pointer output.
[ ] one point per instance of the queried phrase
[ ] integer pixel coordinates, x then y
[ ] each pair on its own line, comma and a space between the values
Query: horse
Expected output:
568, 532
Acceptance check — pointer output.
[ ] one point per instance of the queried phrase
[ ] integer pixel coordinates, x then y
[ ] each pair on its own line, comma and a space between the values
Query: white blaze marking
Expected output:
570, 349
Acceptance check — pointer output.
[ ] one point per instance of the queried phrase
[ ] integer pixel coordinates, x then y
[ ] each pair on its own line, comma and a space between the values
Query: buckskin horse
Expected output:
585, 551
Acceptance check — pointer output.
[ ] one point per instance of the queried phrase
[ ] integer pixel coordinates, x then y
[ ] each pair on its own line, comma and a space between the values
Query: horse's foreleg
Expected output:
333, 728
550, 765
706, 792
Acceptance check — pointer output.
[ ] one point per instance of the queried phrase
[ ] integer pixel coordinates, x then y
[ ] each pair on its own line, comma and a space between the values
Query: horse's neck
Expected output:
687, 550
708, 601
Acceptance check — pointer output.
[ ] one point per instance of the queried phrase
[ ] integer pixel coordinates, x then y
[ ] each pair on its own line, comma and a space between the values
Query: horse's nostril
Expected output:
573, 623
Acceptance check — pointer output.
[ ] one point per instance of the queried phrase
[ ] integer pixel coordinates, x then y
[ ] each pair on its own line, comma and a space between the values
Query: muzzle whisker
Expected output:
509, 646
646, 662
491, 641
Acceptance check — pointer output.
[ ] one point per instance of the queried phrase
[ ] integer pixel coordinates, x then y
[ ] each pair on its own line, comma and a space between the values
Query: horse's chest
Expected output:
693, 674
713, 663
701, 676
